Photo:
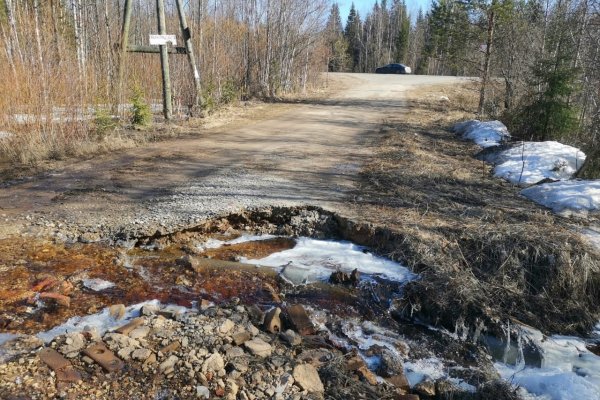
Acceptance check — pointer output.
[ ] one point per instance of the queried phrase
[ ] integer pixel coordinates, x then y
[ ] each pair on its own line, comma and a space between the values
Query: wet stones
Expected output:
74, 343
291, 337
272, 322
258, 347
297, 317
167, 366
343, 278
226, 326
213, 363
117, 311
307, 378
241, 337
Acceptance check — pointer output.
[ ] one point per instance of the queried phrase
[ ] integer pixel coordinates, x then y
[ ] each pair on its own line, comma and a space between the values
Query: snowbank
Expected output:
485, 134
579, 195
528, 163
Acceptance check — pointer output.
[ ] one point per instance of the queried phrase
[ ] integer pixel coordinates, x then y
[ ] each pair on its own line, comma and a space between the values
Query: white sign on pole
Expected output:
163, 40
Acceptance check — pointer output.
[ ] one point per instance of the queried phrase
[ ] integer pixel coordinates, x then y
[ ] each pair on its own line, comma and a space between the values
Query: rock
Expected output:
141, 354
125, 352
213, 363
127, 328
226, 326
74, 343
189, 262
56, 299
366, 374
298, 319
273, 321
234, 352
231, 389
343, 278
407, 397
202, 392
140, 332
315, 357
205, 304
285, 381
149, 309
117, 341
241, 337
117, 311
291, 337
168, 364
355, 363
390, 365
256, 315
258, 347
182, 280
425, 388
307, 378
399, 381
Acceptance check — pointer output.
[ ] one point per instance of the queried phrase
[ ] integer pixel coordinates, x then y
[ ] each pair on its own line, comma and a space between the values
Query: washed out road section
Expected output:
300, 152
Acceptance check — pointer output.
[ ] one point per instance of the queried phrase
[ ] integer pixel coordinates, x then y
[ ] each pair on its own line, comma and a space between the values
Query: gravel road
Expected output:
298, 153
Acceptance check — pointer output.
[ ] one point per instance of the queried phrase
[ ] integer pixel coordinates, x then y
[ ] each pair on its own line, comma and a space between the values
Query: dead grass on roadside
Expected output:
484, 252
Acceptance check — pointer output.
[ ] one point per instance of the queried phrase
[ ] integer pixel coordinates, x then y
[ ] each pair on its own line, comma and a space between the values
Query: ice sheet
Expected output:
97, 285
101, 321
322, 257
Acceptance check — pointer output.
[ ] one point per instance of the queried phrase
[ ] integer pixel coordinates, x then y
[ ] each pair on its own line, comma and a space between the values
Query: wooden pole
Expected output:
164, 61
187, 37
123, 49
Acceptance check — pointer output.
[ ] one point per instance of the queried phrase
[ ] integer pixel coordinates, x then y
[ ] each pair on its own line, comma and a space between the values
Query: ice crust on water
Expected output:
319, 258
483, 133
6, 337
216, 243
568, 370
102, 322
97, 285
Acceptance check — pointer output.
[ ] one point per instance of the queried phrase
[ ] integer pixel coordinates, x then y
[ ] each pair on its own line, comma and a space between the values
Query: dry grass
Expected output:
484, 252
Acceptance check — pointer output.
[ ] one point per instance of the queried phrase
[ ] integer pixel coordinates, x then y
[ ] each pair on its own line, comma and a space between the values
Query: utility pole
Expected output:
187, 38
159, 44
164, 62
123, 49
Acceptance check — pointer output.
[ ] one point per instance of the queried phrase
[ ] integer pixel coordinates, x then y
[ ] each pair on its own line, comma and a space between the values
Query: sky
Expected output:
365, 6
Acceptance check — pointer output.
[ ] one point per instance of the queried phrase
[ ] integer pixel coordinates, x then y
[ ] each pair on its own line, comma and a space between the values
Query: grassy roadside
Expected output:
486, 254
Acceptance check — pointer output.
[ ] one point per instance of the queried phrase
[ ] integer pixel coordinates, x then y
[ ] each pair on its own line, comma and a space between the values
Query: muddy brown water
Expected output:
30, 268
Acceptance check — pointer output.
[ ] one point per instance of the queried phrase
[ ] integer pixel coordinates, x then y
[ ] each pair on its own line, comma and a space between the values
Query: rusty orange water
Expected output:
27, 265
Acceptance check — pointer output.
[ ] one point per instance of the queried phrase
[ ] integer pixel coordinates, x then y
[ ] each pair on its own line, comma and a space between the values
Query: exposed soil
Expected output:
374, 163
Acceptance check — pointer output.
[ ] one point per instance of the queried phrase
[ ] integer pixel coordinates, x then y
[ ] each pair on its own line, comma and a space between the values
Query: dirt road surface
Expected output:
295, 153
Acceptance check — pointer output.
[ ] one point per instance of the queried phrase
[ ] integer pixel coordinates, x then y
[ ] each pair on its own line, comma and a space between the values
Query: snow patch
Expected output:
484, 134
97, 285
579, 196
317, 259
528, 163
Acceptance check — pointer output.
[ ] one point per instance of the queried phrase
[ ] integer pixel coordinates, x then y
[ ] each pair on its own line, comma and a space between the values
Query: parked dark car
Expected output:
393, 69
